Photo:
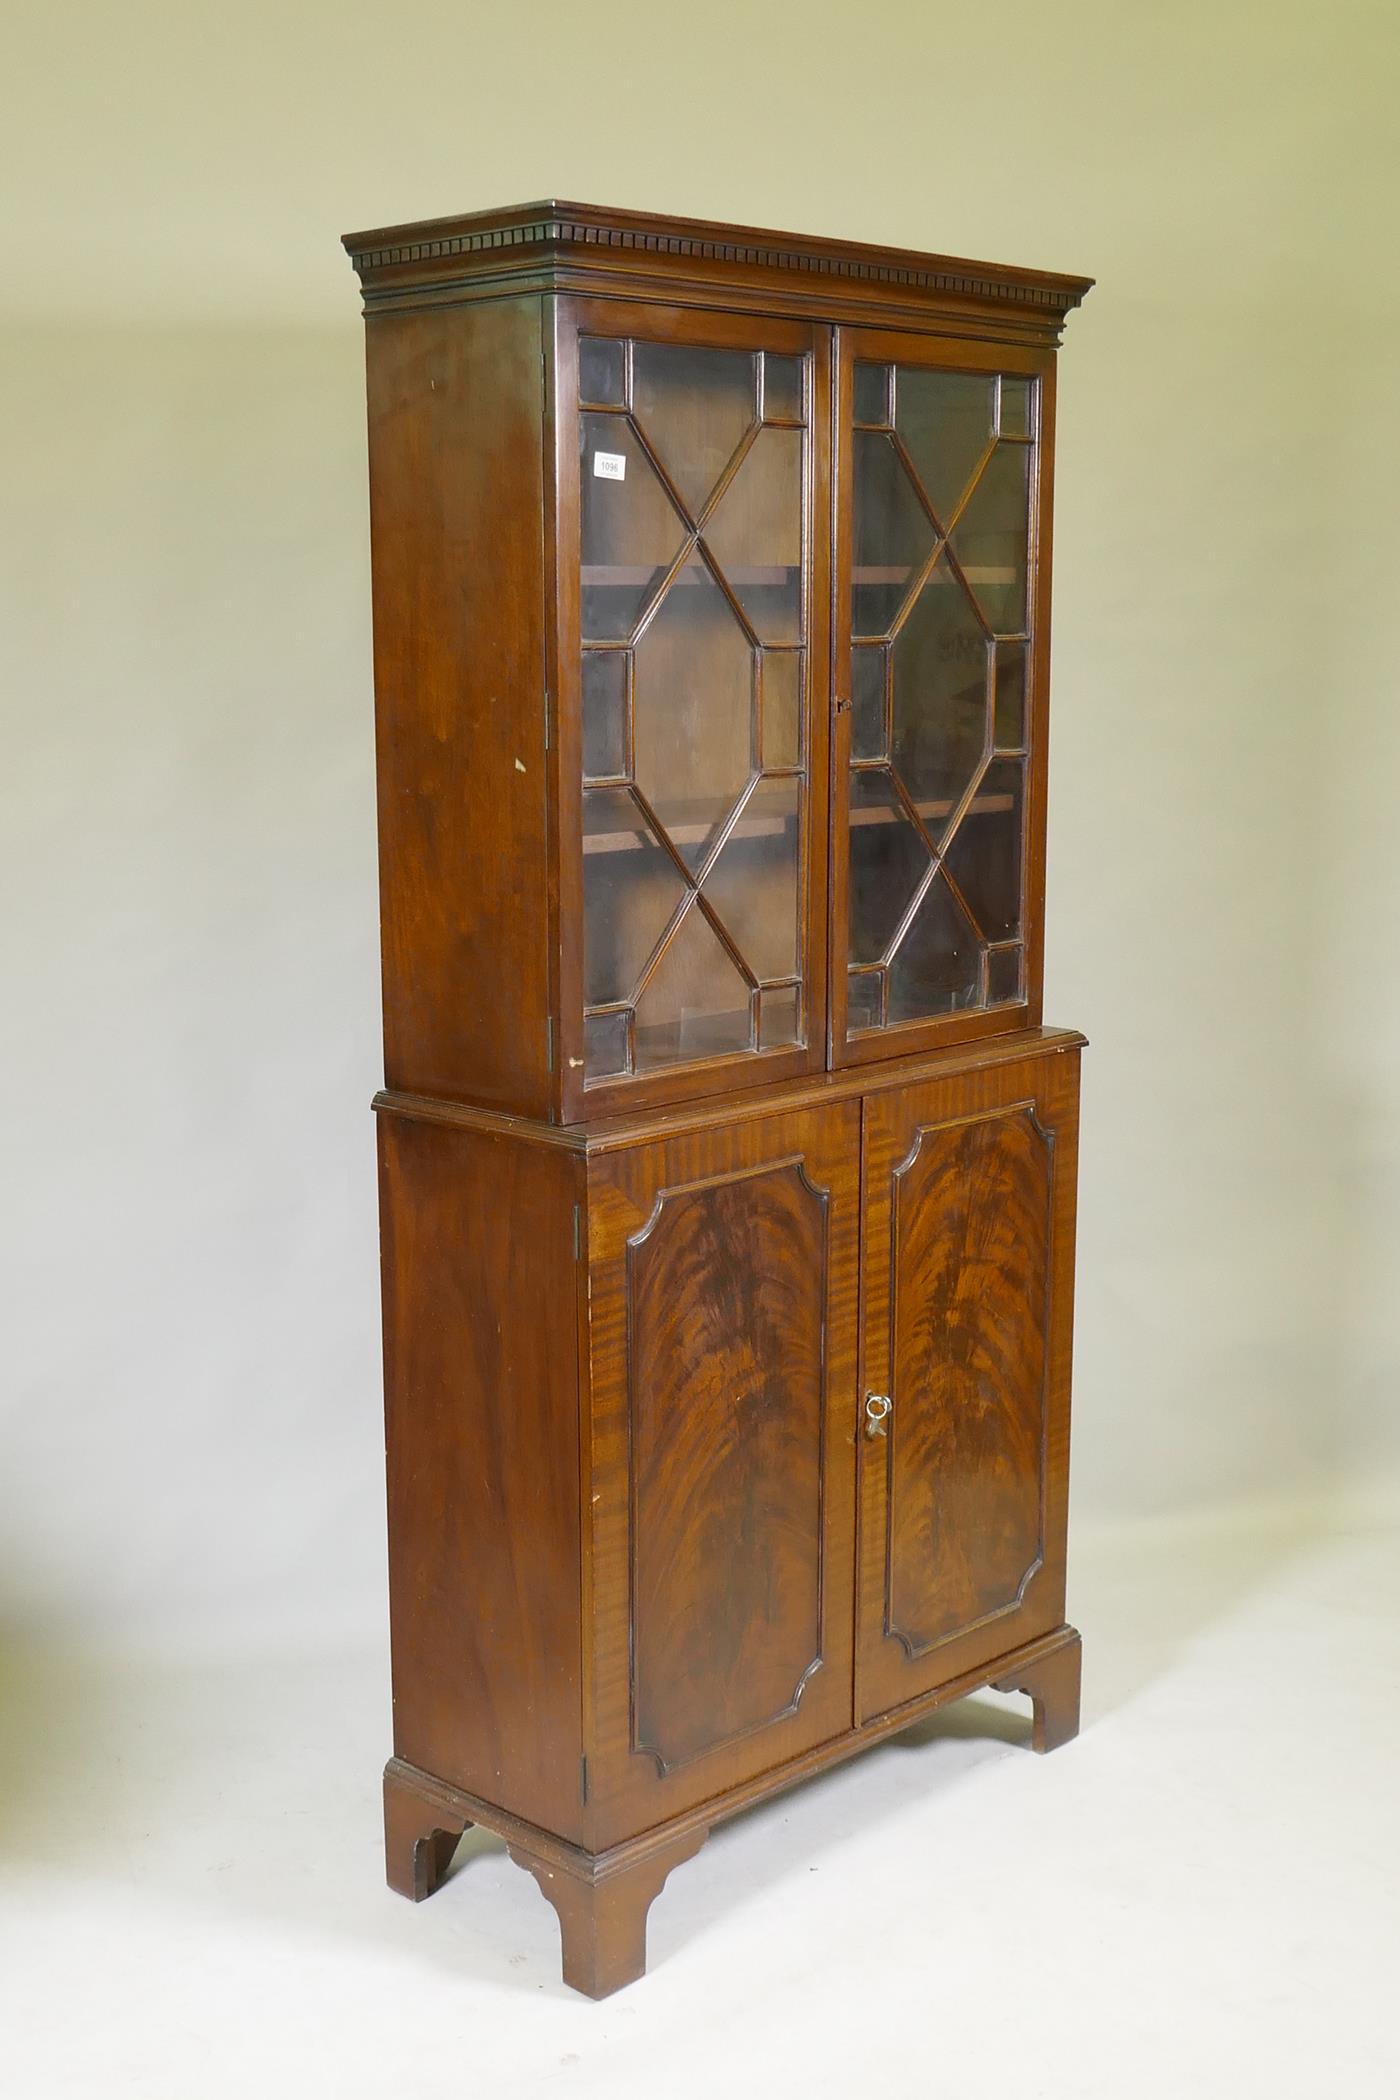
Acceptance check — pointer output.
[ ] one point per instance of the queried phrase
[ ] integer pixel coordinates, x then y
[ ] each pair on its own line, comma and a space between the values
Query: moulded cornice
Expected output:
565, 246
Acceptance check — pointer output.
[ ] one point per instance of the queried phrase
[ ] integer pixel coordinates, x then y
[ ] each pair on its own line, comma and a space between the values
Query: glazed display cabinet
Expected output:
727, 1169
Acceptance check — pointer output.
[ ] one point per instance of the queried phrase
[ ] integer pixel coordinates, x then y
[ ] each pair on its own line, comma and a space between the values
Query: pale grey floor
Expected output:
1201, 1897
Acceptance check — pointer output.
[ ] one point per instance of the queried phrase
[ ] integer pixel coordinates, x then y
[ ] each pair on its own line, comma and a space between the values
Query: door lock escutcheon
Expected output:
877, 1413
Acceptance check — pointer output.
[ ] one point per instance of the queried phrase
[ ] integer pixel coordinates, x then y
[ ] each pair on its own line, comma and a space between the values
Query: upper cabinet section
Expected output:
711, 616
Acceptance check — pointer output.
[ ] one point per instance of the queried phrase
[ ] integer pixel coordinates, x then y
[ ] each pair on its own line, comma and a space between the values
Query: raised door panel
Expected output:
970, 1195
941, 657
723, 1280
691, 454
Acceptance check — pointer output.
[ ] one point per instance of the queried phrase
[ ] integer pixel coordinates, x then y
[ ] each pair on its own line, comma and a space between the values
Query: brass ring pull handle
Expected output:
877, 1413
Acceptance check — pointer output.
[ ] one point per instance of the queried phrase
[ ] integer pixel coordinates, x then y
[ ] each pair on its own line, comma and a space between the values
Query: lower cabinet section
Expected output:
808, 1368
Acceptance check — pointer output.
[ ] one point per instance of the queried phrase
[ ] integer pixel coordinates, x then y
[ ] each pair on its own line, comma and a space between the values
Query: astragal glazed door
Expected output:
940, 661
693, 457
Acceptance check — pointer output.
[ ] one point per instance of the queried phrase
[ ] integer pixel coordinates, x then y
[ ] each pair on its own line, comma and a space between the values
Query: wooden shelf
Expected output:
626, 575
602, 576
980, 806
768, 826
973, 571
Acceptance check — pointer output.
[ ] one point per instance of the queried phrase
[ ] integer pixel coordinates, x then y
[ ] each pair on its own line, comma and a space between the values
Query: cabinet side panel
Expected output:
457, 526
481, 1418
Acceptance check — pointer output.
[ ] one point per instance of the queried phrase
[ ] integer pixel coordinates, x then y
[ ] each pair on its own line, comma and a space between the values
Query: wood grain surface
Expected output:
726, 1288
966, 1316
722, 1290
482, 1445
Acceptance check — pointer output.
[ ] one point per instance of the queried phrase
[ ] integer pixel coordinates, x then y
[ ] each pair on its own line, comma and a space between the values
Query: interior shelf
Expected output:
634, 576
980, 806
769, 826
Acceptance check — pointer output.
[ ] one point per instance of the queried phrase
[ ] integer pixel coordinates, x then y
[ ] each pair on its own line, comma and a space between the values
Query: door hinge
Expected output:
549, 1041
578, 1230
547, 709
583, 1777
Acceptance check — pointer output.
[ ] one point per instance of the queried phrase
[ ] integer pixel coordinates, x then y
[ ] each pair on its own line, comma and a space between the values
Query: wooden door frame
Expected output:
1049, 1090
699, 328
945, 353
626, 1191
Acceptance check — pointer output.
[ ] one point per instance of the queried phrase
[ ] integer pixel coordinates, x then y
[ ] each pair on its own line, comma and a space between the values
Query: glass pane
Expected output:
631, 888
990, 539
868, 729
1015, 418
696, 1004
1003, 976
1009, 704
782, 707
984, 858
864, 1000
891, 535
694, 406
753, 884
871, 394
940, 716
602, 372
755, 534
936, 967
888, 861
693, 711
630, 533
694, 690
945, 422
779, 1020
940, 698
782, 389
605, 1044
604, 713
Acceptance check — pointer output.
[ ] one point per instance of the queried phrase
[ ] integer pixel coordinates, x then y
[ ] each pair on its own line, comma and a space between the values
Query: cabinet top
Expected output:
552, 245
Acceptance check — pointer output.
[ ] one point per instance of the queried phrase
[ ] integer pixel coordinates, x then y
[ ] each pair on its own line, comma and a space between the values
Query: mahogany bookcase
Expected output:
727, 1168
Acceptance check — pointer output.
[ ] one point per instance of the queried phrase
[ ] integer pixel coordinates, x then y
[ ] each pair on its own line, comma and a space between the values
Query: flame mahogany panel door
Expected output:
966, 1311
723, 1280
